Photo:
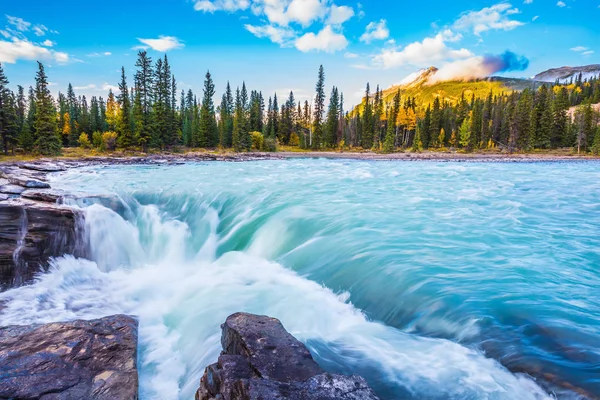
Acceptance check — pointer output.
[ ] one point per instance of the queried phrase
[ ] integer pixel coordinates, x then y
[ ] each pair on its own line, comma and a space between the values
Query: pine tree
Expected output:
560, 134
435, 125
125, 138
541, 119
143, 82
317, 139
237, 122
6, 111
245, 138
389, 144
48, 142
367, 122
332, 119
208, 124
464, 133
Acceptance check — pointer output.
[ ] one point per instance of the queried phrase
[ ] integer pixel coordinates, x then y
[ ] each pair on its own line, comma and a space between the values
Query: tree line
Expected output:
151, 114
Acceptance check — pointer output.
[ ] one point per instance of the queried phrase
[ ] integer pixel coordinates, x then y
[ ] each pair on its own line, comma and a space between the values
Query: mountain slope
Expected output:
563, 74
424, 89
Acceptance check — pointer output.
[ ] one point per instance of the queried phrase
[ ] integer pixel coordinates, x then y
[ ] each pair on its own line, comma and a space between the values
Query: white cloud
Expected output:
86, 87
22, 49
274, 33
326, 40
104, 54
106, 87
18, 23
339, 15
424, 53
587, 53
535, 18
40, 30
163, 43
217, 5
496, 17
350, 55
528, 2
561, 4
375, 31
579, 48
48, 43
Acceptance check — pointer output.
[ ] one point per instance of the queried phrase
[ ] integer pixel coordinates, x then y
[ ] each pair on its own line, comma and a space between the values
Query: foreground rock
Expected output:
72, 360
261, 360
33, 232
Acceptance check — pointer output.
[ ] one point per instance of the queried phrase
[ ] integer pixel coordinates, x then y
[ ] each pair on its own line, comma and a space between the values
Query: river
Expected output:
432, 280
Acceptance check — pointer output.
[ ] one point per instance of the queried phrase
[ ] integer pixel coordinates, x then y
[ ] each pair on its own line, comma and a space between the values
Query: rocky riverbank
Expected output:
261, 360
93, 360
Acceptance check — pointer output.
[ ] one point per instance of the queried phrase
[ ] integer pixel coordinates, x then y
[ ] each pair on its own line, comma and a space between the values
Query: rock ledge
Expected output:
72, 360
261, 360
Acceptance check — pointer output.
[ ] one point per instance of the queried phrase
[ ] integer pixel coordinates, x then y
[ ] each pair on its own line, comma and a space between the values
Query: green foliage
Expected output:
48, 141
389, 144
84, 141
109, 140
97, 141
270, 144
257, 141
464, 133
319, 110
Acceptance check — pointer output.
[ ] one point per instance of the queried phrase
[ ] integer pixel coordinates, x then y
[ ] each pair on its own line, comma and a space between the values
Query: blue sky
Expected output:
278, 45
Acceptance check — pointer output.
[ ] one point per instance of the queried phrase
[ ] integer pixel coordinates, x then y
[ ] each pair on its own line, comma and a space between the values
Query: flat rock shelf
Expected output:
93, 360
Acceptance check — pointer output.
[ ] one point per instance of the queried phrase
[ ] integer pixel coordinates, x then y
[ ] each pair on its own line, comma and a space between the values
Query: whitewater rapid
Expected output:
183, 250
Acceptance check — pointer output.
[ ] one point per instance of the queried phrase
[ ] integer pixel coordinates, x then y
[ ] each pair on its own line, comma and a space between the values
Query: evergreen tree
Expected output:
389, 144
7, 113
317, 139
47, 142
125, 138
435, 126
237, 122
541, 119
332, 119
367, 136
208, 124
560, 119
143, 82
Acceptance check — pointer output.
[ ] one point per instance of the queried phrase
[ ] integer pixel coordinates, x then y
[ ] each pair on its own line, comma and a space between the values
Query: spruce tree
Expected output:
142, 100
237, 122
208, 124
317, 139
125, 138
47, 142
332, 119
389, 144
367, 120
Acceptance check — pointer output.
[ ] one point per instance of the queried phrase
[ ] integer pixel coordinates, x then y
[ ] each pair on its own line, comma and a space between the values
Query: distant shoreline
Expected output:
169, 158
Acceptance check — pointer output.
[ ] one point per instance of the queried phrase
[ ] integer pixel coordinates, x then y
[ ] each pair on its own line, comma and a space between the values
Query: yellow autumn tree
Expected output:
442, 138
66, 128
112, 111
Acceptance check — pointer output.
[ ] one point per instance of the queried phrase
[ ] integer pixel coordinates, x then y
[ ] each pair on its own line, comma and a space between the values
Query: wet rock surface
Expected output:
261, 360
33, 232
71, 360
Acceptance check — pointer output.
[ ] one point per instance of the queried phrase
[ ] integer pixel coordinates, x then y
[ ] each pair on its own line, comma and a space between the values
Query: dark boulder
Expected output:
31, 233
72, 360
261, 360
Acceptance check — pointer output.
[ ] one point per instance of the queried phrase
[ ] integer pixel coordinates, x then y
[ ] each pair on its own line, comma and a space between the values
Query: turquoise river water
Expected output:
431, 280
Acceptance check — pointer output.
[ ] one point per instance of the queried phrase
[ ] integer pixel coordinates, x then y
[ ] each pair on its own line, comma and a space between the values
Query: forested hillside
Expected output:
148, 112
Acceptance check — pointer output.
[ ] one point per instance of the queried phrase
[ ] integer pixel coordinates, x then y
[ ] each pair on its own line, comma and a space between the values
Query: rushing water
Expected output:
432, 280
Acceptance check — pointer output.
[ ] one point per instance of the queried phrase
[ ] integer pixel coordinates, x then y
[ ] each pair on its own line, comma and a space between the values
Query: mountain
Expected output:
424, 88
564, 74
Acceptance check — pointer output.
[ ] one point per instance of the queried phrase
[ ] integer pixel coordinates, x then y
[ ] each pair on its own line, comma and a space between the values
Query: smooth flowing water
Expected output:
432, 280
